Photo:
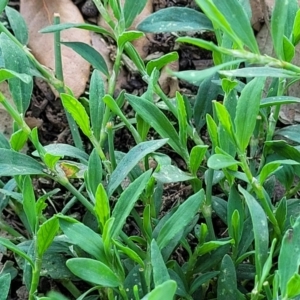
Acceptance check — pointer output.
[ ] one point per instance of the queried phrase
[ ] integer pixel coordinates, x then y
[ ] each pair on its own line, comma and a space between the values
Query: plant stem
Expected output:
35, 276
65, 182
258, 189
68, 284
69, 205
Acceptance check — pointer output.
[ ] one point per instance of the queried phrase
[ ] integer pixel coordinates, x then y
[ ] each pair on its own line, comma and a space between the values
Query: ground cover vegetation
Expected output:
232, 173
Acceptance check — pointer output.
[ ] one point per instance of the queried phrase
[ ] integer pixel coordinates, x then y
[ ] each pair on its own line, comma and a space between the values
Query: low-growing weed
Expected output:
257, 254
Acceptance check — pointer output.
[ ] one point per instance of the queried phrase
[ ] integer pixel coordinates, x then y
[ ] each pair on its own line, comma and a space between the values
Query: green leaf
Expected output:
17, 25
154, 117
93, 271
64, 26
29, 203
160, 271
64, 150
89, 54
83, 236
278, 100
196, 157
97, 92
9, 245
202, 279
210, 246
128, 36
173, 19
260, 72
282, 148
220, 161
247, 111
46, 235
288, 49
164, 291
129, 161
3, 4
260, 229
16, 60
8, 74
4, 142
180, 219
18, 139
293, 286
212, 130
182, 119
219, 20
130, 253
289, 257
272, 167
296, 28
5, 280
278, 20
160, 62
170, 173
77, 111
127, 201
225, 119
196, 77
227, 281
207, 92
132, 9
102, 207
236, 16
94, 172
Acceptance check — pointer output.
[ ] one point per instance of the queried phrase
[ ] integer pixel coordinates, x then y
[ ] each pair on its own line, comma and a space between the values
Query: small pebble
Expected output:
89, 9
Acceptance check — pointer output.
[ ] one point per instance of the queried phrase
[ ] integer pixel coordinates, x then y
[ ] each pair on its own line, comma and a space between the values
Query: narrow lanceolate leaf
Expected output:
77, 111
16, 60
260, 229
196, 157
164, 291
5, 280
8, 74
182, 119
227, 284
93, 271
289, 257
3, 4
132, 8
29, 203
160, 271
97, 92
130, 160
180, 219
17, 24
102, 208
127, 201
156, 119
211, 10
220, 161
236, 16
9, 245
278, 21
247, 110
84, 237
174, 19
14, 163
89, 54
46, 234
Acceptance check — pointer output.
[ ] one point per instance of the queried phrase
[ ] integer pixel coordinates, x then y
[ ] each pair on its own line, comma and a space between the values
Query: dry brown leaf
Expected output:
142, 44
39, 14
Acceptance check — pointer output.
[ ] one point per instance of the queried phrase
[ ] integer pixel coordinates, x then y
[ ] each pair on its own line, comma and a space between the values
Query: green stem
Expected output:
35, 277
69, 205
14, 114
68, 284
111, 147
132, 245
65, 182
258, 189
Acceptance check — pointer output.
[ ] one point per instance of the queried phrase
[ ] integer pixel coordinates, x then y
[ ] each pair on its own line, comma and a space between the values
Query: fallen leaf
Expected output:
39, 14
